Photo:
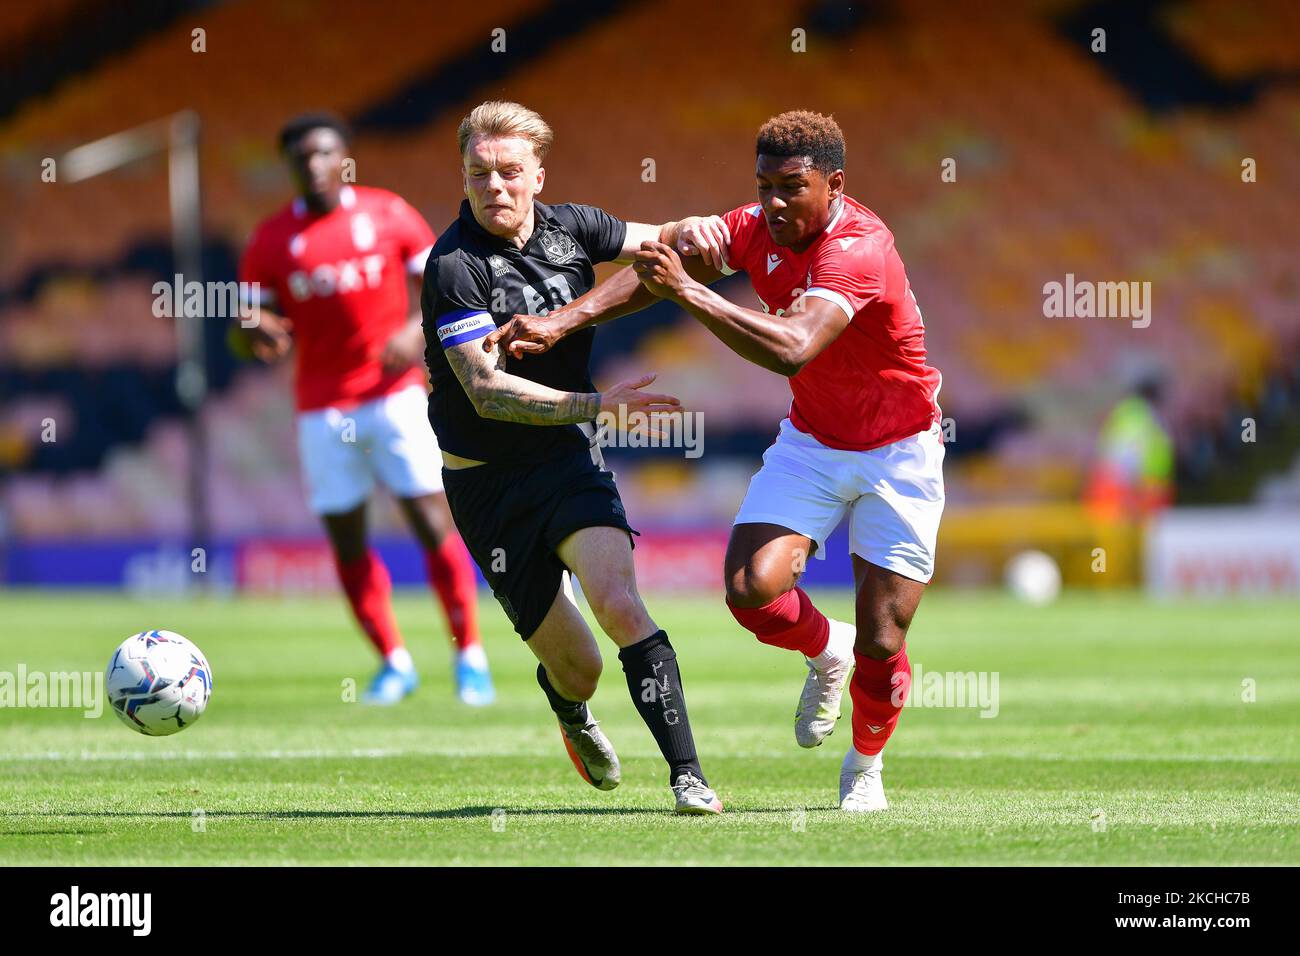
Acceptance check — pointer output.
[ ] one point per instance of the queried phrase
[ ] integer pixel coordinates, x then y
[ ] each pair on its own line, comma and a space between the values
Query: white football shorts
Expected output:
893, 496
343, 451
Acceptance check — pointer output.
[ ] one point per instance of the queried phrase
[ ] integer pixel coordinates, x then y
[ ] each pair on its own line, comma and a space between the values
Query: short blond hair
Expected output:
499, 118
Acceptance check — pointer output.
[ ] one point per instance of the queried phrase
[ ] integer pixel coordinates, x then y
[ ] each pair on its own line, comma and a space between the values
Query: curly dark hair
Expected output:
804, 133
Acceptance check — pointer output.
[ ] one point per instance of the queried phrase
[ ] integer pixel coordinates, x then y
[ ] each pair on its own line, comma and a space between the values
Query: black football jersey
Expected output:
475, 281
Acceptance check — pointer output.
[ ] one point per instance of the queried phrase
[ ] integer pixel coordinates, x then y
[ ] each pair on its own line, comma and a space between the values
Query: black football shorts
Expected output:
513, 516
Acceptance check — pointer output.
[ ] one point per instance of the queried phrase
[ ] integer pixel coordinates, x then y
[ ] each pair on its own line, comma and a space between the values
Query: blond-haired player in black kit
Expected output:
523, 473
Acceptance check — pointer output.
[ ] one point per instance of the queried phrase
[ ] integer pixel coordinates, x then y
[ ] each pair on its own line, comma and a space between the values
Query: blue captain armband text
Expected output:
465, 325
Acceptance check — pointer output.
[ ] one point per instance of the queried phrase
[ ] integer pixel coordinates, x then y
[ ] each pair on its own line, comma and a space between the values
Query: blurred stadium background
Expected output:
1124, 166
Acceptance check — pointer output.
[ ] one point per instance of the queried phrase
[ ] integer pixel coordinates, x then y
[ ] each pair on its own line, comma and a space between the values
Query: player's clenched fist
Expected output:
270, 338
660, 269
705, 236
524, 335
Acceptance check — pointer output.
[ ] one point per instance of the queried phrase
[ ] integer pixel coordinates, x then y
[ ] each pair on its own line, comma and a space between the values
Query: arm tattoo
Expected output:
510, 398
517, 405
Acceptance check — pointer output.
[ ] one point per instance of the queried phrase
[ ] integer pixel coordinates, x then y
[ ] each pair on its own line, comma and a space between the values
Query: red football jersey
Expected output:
341, 279
871, 385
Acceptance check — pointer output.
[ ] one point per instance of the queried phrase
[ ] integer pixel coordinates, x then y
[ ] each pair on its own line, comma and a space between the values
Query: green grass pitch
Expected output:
1121, 737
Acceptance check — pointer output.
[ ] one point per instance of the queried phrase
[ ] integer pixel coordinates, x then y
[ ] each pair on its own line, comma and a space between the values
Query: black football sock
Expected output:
656, 688
569, 711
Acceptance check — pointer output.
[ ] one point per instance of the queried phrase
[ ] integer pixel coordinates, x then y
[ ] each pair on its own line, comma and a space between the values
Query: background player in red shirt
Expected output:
333, 270
862, 440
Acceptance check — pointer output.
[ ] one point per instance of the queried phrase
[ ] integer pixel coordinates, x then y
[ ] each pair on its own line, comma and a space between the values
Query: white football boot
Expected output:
819, 704
861, 789
695, 797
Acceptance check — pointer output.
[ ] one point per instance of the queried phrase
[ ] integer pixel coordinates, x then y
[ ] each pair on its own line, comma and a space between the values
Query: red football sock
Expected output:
369, 590
879, 690
790, 621
452, 575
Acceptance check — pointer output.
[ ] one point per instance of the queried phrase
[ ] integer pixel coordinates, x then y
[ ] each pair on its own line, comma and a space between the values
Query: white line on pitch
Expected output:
381, 754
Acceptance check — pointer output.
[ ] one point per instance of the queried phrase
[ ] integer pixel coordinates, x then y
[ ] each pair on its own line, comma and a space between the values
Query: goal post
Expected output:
178, 136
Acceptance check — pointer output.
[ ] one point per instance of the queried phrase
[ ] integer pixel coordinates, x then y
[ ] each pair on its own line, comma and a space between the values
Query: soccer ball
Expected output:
158, 682
1034, 577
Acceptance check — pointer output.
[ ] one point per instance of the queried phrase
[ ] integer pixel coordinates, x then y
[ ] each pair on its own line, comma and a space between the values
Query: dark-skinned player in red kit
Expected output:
862, 440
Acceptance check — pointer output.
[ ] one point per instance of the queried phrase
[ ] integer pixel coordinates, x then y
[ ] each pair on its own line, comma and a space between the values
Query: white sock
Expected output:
839, 644
855, 762
474, 655
400, 658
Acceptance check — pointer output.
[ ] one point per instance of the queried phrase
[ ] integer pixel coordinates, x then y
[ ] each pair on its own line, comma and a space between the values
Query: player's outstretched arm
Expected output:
621, 294
503, 397
705, 236
781, 344
704, 240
